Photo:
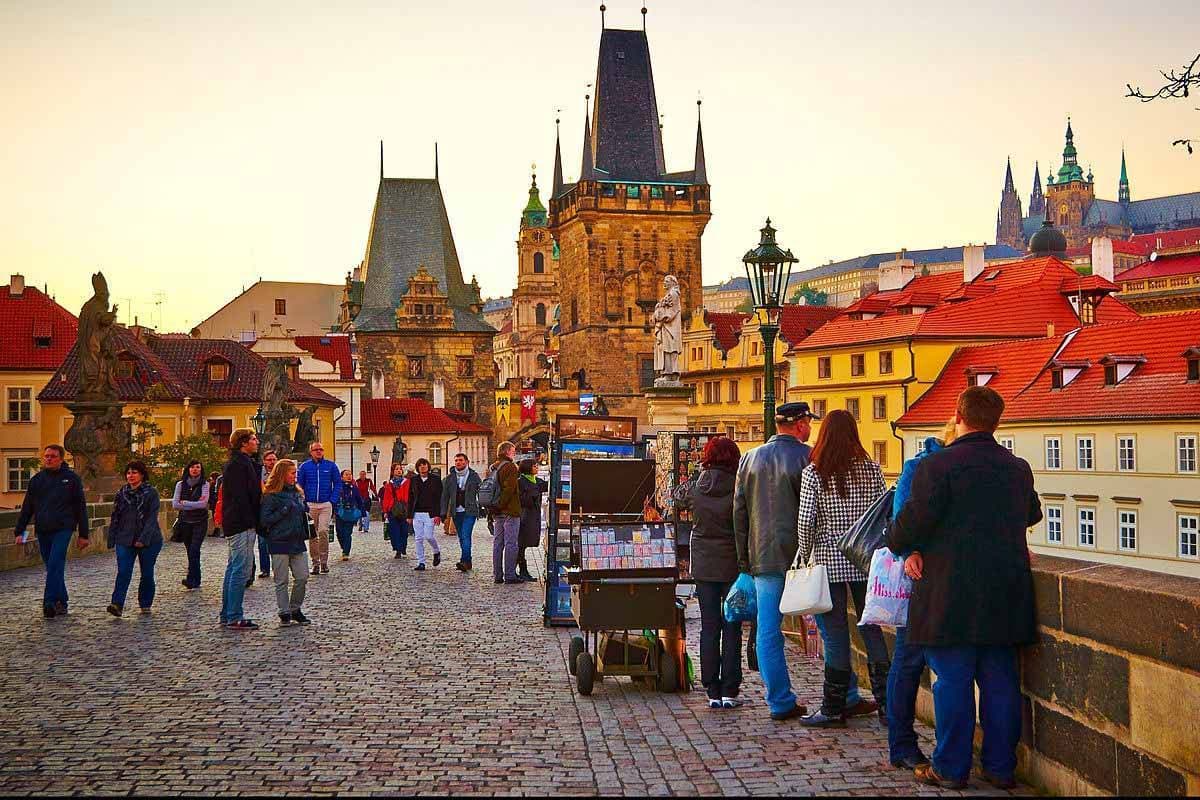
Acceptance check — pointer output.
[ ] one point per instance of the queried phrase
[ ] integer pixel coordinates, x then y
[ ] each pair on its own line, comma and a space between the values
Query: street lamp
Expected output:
768, 268
259, 420
375, 464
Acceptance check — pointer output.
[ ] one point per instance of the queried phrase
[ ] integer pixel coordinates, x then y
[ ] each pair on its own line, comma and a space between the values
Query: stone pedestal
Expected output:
97, 438
667, 407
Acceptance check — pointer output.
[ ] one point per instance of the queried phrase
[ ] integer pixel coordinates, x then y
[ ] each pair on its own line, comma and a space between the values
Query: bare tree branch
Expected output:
1176, 86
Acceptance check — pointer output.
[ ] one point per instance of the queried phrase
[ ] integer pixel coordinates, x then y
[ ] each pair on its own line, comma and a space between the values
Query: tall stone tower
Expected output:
623, 227
1070, 195
1008, 224
1037, 200
1123, 186
536, 294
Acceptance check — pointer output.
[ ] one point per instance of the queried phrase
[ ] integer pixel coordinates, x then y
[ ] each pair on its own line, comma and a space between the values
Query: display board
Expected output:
616, 546
610, 485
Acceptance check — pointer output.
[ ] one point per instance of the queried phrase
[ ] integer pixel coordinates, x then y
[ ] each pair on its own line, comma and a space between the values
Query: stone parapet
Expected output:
15, 556
1112, 688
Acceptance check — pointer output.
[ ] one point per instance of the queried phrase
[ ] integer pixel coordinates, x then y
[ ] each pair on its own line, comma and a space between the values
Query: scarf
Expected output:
462, 476
191, 482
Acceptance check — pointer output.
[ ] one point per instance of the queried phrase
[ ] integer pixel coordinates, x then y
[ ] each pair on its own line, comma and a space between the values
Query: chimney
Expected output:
973, 263
1102, 257
896, 274
1049, 330
16, 285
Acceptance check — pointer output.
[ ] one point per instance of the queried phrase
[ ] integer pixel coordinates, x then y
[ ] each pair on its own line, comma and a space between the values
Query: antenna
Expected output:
159, 299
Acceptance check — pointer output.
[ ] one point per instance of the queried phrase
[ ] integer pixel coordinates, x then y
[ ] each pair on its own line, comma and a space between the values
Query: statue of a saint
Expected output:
399, 452
306, 432
668, 334
97, 347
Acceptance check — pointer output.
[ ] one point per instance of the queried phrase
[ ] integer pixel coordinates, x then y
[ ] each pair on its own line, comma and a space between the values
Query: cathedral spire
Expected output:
701, 175
586, 171
1008, 179
558, 178
1070, 170
1037, 200
1123, 186
435, 161
381, 159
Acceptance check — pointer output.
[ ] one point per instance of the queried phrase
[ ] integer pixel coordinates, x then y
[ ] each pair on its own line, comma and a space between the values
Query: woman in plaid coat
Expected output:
837, 488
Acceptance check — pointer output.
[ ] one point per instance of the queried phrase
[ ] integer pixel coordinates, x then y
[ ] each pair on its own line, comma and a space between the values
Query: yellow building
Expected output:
303, 308
886, 350
192, 386
722, 362
1108, 417
37, 334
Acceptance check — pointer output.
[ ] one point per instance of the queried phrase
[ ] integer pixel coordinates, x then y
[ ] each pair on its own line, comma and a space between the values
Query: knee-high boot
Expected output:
878, 671
833, 703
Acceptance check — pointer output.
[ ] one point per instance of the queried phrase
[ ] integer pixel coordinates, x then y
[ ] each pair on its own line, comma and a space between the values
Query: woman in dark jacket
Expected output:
530, 489
133, 531
191, 501
284, 520
714, 566
348, 511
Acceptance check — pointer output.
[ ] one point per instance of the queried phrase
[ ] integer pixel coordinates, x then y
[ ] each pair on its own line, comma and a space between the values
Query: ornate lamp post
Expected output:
375, 464
768, 268
259, 420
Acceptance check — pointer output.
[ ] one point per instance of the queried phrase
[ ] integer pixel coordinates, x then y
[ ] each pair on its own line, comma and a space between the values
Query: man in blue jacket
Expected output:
55, 502
321, 480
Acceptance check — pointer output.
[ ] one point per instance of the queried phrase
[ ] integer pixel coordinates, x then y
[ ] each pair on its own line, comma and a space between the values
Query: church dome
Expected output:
1048, 241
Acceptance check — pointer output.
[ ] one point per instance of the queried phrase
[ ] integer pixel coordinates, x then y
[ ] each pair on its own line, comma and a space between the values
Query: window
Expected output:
539, 263
879, 450
879, 407
539, 313
466, 367
1053, 452
293, 372
1054, 522
712, 391
1189, 535
1085, 451
1127, 528
1193, 369
41, 342
1056, 379
416, 366
466, 402
756, 390
1110, 375
20, 405
1126, 454
218, 371
756, 433
885, 362
1186, 446
646, 371
220, 429
280, 308
819, 407
1087, 527
418, 396
858, 364
574, 313
18, 476
435, 454
733, 391
125, 367
852, 405
1008, 443
824, 369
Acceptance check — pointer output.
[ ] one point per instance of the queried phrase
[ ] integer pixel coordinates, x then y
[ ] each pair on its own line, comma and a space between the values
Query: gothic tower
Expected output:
1008, 226
1123, 186
1069, 197
623, 227
536, 294
1037, 200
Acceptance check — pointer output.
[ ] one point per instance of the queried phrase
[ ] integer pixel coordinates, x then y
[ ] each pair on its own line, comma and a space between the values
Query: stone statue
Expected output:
399, 452
306, 432
97, 348
276, 435
668, 334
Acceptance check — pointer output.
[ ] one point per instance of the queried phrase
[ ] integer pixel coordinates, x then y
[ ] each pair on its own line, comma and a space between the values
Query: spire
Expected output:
586, 171
1070, 170
381, 159
1123, 186
701, 174
1008, 179
603, 8
558, 178
435, 161
534, 213
625, 137
1037, 200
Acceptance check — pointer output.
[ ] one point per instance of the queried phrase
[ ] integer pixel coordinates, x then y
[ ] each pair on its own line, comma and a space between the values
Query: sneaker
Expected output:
714, 703
264, 574
243, 625
345, 558
398, 554
927, 775
419, 568
48, 612
285, 620
316, 570
460, 567
324, 569
299, 618
437, 559
863, 708
114, 609
731, 702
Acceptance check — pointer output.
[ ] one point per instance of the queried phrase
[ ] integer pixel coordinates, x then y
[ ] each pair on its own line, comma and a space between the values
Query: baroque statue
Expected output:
276, 429
97, 346
306, 432
399, 452
668, 334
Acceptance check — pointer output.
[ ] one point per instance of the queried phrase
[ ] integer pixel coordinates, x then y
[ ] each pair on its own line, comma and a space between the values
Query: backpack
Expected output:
347, 511
488, 495
399, 505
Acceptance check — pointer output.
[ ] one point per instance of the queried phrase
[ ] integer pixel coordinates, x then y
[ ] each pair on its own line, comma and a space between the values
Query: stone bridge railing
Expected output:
1112, 690
14, 556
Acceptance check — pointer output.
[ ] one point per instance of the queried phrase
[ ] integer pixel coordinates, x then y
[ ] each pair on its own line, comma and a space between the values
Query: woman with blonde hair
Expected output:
285, 527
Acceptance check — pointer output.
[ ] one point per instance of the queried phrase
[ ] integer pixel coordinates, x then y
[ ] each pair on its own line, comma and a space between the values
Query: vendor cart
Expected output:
612, 608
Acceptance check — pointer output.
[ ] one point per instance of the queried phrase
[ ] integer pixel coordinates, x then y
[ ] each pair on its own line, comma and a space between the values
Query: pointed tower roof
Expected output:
625, 134
1037, 175
1070, 170
587, 169
701, 174
1008, 179
1123, 185
534, 213
1124, 174
557, 189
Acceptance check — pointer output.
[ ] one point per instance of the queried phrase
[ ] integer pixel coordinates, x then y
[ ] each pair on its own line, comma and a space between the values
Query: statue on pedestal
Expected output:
668, 334
399, 452
276, 434
306, 432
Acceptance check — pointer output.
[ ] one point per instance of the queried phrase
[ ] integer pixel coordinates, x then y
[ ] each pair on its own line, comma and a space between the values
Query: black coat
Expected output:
425, 496
241, 497
135, 517
284, 521
55, 502
531, 511
714, 553
967, 515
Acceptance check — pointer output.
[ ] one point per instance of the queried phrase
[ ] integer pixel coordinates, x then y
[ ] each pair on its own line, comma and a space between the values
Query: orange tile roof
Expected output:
29, 316
412, 416
1162, 267
1168, 240
726, 328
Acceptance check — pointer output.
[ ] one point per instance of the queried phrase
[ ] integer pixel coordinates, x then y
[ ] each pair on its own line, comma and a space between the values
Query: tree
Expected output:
168, 460
142, 428
811, 296
1176, 87
746, 306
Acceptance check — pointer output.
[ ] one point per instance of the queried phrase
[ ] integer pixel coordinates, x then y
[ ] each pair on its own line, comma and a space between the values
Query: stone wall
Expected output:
1112, 689
15, 556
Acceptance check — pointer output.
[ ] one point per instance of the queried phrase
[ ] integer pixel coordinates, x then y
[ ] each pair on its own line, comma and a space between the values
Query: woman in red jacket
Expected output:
393, 501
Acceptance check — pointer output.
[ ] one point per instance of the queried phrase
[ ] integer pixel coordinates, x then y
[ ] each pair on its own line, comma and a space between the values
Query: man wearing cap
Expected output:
766, 508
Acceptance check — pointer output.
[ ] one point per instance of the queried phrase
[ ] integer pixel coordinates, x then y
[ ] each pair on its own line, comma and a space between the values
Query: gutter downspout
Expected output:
912, 376
335, 422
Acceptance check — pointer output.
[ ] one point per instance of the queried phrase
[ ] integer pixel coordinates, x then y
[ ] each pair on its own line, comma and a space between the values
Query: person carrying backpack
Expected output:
393, 501
348, 511
506, 508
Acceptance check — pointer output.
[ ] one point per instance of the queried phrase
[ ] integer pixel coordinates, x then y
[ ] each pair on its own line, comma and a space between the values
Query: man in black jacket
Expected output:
972, 603
56, 504
241, 501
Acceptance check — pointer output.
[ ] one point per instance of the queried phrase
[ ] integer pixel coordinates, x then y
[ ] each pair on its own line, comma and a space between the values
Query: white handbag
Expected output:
806, 589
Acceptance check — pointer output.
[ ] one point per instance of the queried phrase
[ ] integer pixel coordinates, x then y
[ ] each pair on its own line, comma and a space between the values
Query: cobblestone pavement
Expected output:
407, 682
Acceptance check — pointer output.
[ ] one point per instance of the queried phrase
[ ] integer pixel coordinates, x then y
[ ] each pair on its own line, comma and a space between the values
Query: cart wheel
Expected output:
577, 647
668, 673
585, 673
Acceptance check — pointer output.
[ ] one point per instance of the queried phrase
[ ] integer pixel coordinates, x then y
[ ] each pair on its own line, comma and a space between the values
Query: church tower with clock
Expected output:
536, 295
623, 227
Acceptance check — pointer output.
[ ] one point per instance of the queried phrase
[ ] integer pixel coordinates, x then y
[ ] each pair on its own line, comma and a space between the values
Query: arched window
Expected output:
1062, 215
539, 314
435, 454
539, 263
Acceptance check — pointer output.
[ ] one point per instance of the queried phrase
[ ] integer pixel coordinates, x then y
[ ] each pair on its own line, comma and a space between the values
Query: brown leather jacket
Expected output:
509, 504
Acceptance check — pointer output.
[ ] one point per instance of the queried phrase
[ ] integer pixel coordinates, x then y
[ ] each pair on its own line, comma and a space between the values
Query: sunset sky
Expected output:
190, 148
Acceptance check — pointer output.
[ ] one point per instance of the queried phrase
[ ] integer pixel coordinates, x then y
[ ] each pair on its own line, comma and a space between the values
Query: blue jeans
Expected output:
241, 548
904, 681
464, 523
54, 547
264, 556
958, 669
397, 531
772, 664
852, 697
145, 557
345, 533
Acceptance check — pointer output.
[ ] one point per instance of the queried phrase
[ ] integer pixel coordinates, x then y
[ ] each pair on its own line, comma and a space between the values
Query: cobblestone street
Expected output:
406, 682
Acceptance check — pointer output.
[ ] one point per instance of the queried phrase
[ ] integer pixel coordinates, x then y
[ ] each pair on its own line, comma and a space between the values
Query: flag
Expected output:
528, 405
502, 402
586, 401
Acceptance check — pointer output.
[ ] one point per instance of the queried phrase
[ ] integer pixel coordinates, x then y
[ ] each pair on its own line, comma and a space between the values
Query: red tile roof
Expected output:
797, 323
726, 328
180, 366
1024, 297
30, 315
410, 416
1132, 247
1156, 389
1168, 240
1163, 267
333, 348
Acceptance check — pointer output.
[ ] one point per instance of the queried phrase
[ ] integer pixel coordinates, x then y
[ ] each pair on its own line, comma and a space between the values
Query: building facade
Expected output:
302, 308
435, 434
1168, 280
622, 228
523, 338
1108, 418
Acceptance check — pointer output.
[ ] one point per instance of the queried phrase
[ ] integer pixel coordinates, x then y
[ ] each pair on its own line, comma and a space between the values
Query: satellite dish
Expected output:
1154, 256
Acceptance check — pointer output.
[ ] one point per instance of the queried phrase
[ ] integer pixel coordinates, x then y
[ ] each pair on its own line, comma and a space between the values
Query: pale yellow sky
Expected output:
190, 148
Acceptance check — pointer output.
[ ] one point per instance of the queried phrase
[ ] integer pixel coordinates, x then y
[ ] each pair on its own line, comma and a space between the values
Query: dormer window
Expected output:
981, 376
126, 367
218, 371
1118, 367
41, 342
1193, 364
1063, 372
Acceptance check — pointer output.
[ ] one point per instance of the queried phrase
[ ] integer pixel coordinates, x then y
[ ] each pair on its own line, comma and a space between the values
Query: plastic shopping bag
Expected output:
741, 604
867, 535
888, 591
